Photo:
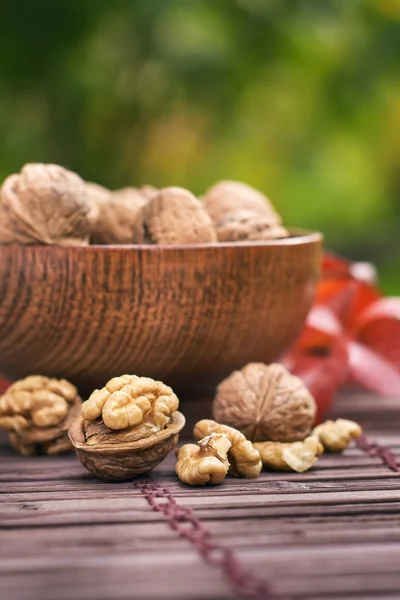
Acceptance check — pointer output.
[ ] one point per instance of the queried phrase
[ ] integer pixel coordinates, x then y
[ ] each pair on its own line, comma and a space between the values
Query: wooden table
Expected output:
333, 532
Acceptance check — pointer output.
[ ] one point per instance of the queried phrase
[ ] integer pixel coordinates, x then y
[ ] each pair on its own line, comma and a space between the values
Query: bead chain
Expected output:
376, 450
184, 521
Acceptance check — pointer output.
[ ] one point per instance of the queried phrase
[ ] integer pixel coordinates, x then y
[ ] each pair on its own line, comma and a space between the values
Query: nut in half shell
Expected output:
127, 427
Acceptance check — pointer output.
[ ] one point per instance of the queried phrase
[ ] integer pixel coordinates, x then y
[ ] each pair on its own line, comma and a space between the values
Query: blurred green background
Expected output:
300, 98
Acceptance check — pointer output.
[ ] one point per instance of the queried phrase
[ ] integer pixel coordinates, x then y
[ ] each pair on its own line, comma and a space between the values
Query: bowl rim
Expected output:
299, 237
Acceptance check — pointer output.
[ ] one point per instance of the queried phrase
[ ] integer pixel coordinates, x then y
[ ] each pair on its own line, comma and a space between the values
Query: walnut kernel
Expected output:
44, 204
206, 462
244, 459
127, 427
335, 436
265, 402
37, 412
296, 456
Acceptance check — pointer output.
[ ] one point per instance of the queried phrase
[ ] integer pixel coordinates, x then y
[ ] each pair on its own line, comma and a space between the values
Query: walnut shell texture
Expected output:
117, 214
44, 204
241, 212
127, 460
265, 402
244, 225
175, 216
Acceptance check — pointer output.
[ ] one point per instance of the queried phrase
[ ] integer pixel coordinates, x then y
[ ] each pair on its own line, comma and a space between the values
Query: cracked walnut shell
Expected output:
335, 436
206, 462
116, 214
244, 459
37, 412
265, 402
127, 427
175, 216
44, 204
296, 456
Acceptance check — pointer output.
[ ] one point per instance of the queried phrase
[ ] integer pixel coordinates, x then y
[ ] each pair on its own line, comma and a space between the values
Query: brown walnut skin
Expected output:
44, 204
175, 216
130, 459
116, 214
265, 402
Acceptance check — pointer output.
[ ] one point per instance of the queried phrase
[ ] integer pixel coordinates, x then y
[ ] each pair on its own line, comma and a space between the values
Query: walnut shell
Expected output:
116, 214
44, 204
244, 225
37, 412
240, 212
127, 460
265, 402
175, 216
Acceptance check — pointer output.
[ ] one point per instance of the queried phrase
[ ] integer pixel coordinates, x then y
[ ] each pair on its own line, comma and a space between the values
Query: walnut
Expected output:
335, 436
244, 225
175, 216
116, 214
240, 212
243, 457
149, 191
265, 402
205, 462
296, 456
44, 204
37, 412
127, 427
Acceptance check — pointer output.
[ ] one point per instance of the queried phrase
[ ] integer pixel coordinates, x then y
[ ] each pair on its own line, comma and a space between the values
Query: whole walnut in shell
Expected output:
44, 204
240, 213
265, 402
116, 214
127, 427
37, 412
175, 216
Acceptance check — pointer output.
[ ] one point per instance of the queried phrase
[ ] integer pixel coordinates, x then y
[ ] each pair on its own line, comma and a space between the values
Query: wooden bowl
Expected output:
187, 315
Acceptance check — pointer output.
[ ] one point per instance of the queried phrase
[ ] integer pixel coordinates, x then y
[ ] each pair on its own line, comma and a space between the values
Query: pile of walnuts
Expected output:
47, 204
264, 417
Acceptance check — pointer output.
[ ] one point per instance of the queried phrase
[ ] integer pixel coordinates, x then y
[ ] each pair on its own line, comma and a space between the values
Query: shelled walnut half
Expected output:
206, 462
37, 412
335, 436
298, 456
127, 427
244, 459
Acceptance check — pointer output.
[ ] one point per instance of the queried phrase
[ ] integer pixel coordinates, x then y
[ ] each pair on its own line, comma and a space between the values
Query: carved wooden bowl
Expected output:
185, 315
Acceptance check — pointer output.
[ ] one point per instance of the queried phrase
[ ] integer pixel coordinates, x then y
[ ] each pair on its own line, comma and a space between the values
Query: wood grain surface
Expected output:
185, 315
331, 533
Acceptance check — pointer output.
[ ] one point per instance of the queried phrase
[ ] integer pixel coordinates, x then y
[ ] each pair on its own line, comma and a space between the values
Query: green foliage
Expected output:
300, 98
